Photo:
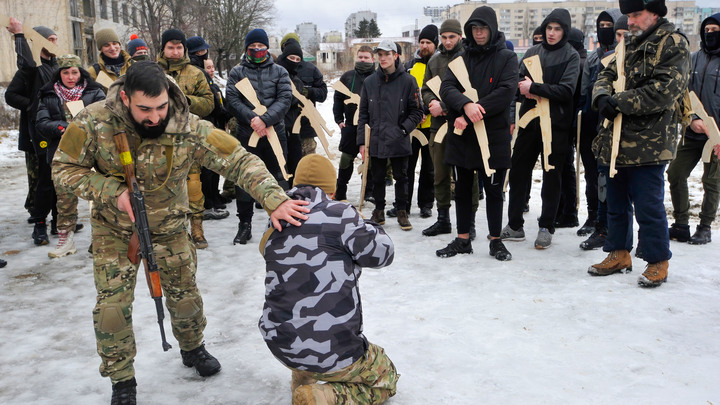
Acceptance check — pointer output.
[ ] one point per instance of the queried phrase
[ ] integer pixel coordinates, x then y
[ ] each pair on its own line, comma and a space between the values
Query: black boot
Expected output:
701, 236
589, 225
244, 233
39, 234
124, 393
680, 233
596, 239
441, 226
498, 250
205, 364
456, 246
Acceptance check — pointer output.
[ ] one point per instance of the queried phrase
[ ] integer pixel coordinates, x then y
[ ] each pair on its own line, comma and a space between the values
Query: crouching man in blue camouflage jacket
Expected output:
312, 318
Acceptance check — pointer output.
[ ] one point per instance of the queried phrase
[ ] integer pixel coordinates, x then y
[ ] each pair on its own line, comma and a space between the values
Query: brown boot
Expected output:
314, 394
654, 275
615, 262
403, 220
197, 234
378, 216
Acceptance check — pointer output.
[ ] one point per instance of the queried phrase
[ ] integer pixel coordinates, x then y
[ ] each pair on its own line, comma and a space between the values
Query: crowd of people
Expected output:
475, 115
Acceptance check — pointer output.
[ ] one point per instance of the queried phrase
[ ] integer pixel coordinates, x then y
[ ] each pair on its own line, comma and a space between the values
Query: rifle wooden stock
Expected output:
543, 110
352, 98
316, 120
366, 164
712, 127
434, 85
619, 87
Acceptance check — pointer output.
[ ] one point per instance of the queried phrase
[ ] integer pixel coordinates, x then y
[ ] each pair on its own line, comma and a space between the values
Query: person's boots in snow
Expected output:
458, 245
39, 234
205, 364
441, 226
124, 393
402, 218
244, 233
65, 246
499, 251
197, 233
654, 275
378, 216
615, 262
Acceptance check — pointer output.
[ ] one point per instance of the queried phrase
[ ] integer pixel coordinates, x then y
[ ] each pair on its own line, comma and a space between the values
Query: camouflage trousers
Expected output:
308, 146
370, 380
67, 213
195, 194
115, 278
31, 164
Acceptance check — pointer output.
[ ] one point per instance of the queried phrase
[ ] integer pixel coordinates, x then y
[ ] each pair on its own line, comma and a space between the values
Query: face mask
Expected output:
141, 57
257, 55
606, 35
364, 67
712, 40
290, 66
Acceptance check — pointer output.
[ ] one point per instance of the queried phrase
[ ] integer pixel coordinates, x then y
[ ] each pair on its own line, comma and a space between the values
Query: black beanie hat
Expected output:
257, 35
292, 47
622, 23
173, 34
654, 6
430, 32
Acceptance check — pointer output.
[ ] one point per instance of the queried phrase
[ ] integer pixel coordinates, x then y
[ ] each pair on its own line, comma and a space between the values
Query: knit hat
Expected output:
654, 6
451, 25
622, 23
105, 36
316, 170
288, 37
509, 45
430, 32
172, 34
197, 44
136, 44
69, 60
44, 31
293, 48
257, 35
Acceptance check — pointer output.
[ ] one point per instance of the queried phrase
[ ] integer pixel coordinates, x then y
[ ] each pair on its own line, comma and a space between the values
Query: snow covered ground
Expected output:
463, 330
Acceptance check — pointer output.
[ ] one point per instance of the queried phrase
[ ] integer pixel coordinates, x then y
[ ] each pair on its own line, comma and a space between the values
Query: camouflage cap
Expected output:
69, 60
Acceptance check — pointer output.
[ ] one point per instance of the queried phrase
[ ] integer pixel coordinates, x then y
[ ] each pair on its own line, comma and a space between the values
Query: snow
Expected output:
463, 330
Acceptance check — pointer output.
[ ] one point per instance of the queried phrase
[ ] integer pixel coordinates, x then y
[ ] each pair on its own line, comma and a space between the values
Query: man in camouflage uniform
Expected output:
165, 140
175, 62
657, 67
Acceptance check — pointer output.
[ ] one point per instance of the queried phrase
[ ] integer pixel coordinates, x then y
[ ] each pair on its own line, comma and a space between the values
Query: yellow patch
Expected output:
72, 141
222, 141
43, 144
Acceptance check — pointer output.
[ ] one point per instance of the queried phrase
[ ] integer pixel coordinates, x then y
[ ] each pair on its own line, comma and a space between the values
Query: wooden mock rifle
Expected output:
712, 127
618, 86
352, 98
35, 41
434, 85
541, 110
316, 120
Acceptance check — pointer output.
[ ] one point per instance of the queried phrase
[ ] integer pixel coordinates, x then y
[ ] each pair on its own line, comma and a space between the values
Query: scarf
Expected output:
67, 95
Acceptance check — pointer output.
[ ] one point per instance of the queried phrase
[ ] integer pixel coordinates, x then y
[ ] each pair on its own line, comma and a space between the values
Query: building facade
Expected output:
353, 21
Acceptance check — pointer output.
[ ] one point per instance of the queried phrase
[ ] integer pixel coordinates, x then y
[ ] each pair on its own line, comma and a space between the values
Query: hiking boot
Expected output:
499, 251
615, 262
205, 364
378, 217
215, 213
512, 235
402, 218
124, 392
596, 240
680, 233
567, 221
197, 233
441, 226
314, 394
458, 245
65, 246
701, 236
39, 234
544, 239
587, 228
425, 212
654, 274
391, 213
244, 233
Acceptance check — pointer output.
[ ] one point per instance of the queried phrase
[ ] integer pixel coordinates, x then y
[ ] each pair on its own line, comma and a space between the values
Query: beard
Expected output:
150, 132
426, 52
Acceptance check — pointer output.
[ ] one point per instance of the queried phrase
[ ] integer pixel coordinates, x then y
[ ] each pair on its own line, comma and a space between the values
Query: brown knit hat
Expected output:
316, 170
105, 36
451, 25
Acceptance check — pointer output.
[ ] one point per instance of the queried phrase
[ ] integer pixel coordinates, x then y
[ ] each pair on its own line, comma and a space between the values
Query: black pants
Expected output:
244, 201
399, 170
294, 153
568, 195
426, 189
45, 197
492, 185
210, 184
591, 170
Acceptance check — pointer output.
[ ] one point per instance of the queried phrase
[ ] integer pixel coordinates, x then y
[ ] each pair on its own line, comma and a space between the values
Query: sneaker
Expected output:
244, 233
587, 228
596, 240
65, 246
205, 364
402, 218
512, 235
456, 246
701, 236
378, 217
544, 239
39, 234
499, 251
654, 274
215, 213
425, 212
391, 213
615, 262
567, 221
314, 394
124, 392
680, 233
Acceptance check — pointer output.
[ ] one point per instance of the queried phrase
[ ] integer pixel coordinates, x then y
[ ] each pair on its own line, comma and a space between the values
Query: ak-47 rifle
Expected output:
364, 168
316, 120
618, 86
140, 243
712, 127
434, 85
541, 110
352, 98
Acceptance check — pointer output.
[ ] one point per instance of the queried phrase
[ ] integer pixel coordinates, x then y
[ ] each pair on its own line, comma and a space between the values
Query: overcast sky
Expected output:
392, 14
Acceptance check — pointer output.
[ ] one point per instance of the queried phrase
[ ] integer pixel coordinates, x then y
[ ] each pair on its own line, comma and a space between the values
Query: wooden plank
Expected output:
543, 110
353, 98
74, 107
619, 87
316, 120
712, 127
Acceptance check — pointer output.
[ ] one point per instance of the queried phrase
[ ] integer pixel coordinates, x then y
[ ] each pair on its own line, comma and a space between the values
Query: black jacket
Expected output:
391, 105
493, 72
342, 112
316, 88
52, 114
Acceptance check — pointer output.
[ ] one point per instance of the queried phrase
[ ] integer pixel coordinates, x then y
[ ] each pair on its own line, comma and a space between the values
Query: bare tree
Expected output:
155, 16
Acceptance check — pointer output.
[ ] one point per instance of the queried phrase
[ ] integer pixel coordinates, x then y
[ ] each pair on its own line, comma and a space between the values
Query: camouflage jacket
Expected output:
98, 67
650, 123
87, 163
192, 82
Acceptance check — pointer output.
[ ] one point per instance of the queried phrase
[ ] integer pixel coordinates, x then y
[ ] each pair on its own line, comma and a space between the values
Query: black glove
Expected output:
607, 107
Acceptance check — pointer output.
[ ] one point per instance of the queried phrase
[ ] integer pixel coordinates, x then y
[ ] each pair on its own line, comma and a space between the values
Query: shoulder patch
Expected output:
73, 140
225, 143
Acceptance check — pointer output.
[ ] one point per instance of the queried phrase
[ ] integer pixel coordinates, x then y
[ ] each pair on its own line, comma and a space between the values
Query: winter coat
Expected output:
19, 95
437, 65
316, 267
650, 124
390, 104
342, 112
192, 82
100, 66
52, 113
272, 86
317, 91
87, 163
493, 73
705, 79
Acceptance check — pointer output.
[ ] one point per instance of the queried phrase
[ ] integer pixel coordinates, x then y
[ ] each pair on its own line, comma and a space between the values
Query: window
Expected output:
74, 9
103, 9
134, 16
115, 13
126, 17
77, 39
91, 56
89, 8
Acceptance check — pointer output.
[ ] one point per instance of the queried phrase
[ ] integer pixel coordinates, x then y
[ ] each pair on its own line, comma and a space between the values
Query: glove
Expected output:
607, 107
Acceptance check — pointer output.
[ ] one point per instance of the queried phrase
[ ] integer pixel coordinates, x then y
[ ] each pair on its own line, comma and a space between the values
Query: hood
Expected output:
713, 19
612, 14
485, 16
562, 17
577, 39
179, 110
